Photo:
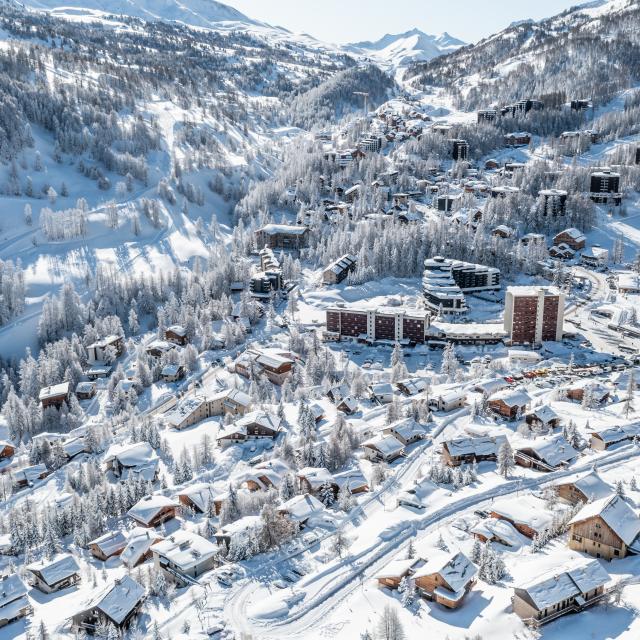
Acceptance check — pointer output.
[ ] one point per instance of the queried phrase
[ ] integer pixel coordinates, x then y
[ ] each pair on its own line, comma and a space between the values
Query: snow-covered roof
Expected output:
407, 429
85, 387
200, 494
55, 570
381, 388
544, 413
386, 445
554, 451
616, 513
526, 510
617, 433
455, 568
110, 543
512, 397
184, 409
397, 568
574, 581
490, 385
185, 549
533, 290
177, 329
482, 446
119, 600
573, 233
243, 525
590, 484
285, 229
139, 542
316, 476
261, 418
11, 589
522, 354
412, 386
170, 370
131, 455
273, 360
500, 529
146, 509
54, 391
302, 507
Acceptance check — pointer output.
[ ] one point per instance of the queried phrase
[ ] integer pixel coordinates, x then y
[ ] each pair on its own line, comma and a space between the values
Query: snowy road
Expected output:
327, 589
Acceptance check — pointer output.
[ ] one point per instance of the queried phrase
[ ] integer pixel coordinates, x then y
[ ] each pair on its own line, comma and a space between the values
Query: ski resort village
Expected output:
314, 341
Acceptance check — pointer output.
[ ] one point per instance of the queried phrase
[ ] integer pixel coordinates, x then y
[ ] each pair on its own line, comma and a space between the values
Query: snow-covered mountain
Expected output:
199, 13
402, 49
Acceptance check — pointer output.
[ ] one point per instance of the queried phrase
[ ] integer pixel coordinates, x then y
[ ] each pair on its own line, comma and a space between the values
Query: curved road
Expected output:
340, 581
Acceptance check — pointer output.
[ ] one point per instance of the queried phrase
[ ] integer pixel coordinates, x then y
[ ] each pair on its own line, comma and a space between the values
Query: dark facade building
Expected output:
487, 115
460, 150
605, 187
282, 236
394, 323
554, 202
534, 314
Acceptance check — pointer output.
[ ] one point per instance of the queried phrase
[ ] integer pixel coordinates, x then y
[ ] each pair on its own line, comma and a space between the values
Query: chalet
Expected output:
172, 372
192, 410
26, 476
503, 231
105, 350
527, 514
152, 511
448, 401
392, 575
576, 390
300, 509
536, 239
572, 237
491, 164
407, 431
517, 139
6, 449
55, 395
546, 455
256, 425
347, 405
468, 450
157, 348
53, 575
542, 417
562, 251
569, 591
594, 257
412, 386
98, 371
606, 528
109, 545
277, 367
197, 497
446, 578
118, 604
139, 460
238, 531
493, 530
383, 449
335, 394
265, 475
282, 236
85, 390
14, 603
138, 548
381, 392
489, 386
313, 479
338, 270
509, 403
184, 556
585, 487
177, 334
352, 481
601, 440
353, 193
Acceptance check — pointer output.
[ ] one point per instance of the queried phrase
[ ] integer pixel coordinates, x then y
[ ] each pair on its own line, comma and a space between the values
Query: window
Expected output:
577, 538
616, 552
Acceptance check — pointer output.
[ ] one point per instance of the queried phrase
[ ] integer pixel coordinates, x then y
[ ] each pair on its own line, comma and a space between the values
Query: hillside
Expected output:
560, 57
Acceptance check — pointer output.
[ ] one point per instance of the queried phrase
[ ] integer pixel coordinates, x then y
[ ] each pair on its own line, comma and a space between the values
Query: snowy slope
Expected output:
199, 13
404, 48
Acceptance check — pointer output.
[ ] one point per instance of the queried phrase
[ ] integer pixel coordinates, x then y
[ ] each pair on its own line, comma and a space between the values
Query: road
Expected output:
333, 584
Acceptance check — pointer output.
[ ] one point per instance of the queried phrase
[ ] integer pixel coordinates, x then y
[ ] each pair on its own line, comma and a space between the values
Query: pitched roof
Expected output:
397, 568
455, 568
300, 508
574, 581
11, 588
56, 570
146, 509
591, 485
616, 513
387, 445
482, 446
120, 599
185, 549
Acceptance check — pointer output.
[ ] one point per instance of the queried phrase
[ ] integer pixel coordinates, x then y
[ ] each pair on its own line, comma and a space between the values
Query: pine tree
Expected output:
505, 459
